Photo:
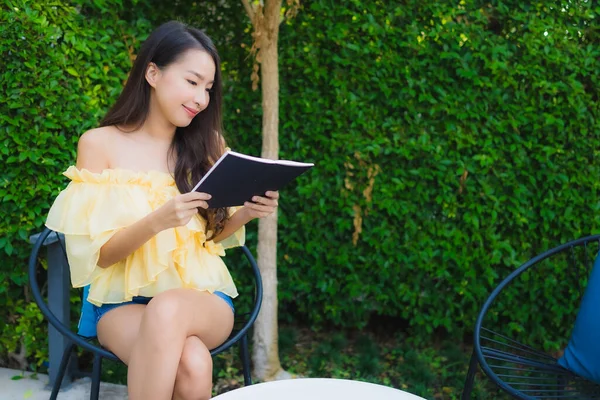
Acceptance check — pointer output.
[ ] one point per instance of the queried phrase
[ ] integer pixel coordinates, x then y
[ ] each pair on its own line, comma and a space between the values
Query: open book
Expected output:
236, 177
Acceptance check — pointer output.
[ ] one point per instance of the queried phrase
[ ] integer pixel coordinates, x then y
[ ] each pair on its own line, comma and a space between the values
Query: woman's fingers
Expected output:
268, 201
192, 205
193, 200
192, 196
262, 206
259, 207
196, 204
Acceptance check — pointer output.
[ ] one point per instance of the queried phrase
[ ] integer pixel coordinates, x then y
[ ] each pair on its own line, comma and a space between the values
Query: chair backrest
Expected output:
560, 275
251, 316
64, 329
529, 316
60, 325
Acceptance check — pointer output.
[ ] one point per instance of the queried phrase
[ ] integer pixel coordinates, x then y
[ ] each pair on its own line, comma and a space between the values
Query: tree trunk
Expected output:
266, 348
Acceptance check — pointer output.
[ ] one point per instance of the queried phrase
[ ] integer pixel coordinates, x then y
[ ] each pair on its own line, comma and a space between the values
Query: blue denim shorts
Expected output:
104, 308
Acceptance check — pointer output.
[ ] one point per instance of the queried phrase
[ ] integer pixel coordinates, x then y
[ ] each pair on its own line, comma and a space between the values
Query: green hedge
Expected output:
452, 143
59, 73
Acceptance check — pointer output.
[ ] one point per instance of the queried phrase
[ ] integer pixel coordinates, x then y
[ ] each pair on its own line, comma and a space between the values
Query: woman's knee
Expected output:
194, 374
165, 311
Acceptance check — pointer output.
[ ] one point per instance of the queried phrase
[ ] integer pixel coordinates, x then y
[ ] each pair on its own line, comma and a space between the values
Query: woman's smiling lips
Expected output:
192, 113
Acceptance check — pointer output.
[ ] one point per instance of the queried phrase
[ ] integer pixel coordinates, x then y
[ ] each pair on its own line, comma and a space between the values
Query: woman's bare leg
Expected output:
164, 343
118, 329
169, 319
194, 374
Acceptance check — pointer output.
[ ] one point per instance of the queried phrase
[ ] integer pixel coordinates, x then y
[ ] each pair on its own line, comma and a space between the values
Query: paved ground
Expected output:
34, 388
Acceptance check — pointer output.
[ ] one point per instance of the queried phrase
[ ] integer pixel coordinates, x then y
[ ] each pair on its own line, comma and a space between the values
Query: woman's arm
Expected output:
176, 212
126, 241
259, 207
237, 220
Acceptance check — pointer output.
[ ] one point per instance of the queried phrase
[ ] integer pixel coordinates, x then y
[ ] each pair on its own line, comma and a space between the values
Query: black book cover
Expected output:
235, 178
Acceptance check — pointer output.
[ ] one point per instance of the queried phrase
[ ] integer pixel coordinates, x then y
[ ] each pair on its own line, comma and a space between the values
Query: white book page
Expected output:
266, 160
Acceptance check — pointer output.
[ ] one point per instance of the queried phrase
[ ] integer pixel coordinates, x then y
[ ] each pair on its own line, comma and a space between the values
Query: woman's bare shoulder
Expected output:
92, 148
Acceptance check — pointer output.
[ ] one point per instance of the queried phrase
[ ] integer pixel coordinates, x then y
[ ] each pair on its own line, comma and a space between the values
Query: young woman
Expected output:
148, 247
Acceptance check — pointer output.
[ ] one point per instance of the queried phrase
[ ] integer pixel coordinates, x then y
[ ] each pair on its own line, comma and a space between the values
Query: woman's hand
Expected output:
260, 207
179, 210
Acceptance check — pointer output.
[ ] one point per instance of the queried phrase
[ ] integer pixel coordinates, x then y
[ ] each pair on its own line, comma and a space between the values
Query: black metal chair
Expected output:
523, 371
239, 334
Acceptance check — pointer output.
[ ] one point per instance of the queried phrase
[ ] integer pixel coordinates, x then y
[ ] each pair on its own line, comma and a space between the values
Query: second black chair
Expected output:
509, 353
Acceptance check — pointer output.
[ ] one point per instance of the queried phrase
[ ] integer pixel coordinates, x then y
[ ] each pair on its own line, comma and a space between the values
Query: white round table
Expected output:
316, 389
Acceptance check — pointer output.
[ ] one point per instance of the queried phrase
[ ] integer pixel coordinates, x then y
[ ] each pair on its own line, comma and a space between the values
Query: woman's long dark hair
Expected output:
198, 145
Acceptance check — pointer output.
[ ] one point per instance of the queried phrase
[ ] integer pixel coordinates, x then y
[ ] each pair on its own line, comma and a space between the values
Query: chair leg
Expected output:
64, 362
466, 394
97, 368
245, 361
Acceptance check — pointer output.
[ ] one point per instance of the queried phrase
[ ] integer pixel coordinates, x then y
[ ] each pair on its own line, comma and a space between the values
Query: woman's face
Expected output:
182, 89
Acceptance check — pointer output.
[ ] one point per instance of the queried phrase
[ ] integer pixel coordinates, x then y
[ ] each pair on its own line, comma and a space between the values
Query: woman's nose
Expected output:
202, 100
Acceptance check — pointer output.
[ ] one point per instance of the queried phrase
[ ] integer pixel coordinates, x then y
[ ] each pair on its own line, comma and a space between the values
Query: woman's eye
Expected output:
210, 90
192, 82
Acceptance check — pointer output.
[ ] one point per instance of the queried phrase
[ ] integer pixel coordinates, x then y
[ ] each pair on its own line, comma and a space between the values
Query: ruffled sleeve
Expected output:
95, 206
90, 211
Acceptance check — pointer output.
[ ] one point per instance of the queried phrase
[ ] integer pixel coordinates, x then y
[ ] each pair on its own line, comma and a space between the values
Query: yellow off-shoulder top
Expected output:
95, 206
